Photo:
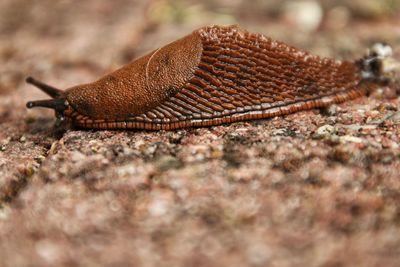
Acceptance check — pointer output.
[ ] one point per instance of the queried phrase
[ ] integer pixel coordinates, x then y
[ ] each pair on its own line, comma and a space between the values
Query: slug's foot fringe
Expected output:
379, 65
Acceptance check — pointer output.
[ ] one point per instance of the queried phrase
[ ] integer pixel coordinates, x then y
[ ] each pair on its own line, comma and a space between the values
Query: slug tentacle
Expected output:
213, 76
59, 102
48, 89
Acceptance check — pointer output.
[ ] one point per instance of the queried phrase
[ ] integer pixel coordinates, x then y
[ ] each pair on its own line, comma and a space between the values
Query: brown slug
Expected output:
216, 75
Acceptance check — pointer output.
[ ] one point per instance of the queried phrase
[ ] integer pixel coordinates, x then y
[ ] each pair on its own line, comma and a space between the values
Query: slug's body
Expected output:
213, 76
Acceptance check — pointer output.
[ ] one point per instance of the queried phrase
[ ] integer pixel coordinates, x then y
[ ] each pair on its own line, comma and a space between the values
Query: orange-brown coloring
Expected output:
213, 76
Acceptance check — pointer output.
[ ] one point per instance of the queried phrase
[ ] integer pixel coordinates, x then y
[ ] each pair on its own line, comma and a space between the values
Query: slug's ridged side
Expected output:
243, 76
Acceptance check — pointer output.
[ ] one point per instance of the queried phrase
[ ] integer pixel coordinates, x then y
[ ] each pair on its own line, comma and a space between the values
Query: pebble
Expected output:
325, 131
304, 15
168, 162
48, 250
158, 207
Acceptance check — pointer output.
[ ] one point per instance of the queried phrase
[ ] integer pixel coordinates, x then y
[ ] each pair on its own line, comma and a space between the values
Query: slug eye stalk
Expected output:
58, 103
48, 89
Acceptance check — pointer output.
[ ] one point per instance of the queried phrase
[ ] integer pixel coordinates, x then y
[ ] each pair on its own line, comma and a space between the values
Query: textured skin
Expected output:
141, 85
217, 75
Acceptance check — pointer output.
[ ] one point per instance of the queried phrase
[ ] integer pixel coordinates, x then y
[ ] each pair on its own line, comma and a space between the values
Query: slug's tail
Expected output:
58, 101
378, 64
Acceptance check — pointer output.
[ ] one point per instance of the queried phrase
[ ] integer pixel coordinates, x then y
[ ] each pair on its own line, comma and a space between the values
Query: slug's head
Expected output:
58, 100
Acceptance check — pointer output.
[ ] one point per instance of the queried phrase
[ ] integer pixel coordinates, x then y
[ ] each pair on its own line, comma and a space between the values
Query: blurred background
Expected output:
265, 194
69, 42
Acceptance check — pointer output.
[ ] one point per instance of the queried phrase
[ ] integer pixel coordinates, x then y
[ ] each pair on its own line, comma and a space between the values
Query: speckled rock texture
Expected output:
315, 188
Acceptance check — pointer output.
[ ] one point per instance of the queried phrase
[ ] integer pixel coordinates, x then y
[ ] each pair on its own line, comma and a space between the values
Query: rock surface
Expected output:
315, 188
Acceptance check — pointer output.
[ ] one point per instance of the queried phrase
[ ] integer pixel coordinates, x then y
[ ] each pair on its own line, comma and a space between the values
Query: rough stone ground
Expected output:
316, 188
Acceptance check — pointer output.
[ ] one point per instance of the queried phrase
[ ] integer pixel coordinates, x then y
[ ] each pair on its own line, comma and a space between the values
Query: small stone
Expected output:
279, 132
29, 170
325, 131
168, 162
387, 159
331, 110
217, 152
115, 206
305, 15
386, 106
394, 117
199, 152
158, 207
77, 156
39, 158
48, 250
352, 139
5, 211
127, 170
176, 137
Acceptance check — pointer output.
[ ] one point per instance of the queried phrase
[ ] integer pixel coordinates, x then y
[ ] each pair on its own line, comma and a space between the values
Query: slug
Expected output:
216, 75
